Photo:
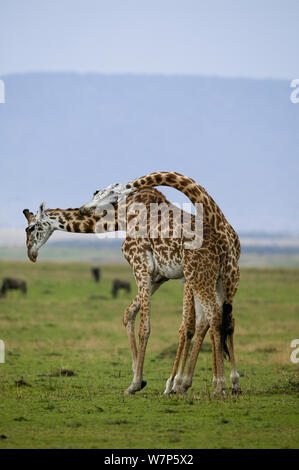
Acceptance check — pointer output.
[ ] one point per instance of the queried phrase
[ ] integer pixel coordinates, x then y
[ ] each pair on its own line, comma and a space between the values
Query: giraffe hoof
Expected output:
178, 391
130, 391
169, 386
135, 388
219, 394
143, 384
166, 393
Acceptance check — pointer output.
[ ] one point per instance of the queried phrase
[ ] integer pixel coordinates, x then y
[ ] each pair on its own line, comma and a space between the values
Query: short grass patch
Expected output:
67, 363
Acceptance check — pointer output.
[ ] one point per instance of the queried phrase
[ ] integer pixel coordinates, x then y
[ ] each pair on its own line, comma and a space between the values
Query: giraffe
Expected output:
212, 277
138, 252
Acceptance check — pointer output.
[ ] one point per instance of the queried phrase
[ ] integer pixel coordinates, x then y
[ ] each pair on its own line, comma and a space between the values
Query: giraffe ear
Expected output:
28, 214
41, 210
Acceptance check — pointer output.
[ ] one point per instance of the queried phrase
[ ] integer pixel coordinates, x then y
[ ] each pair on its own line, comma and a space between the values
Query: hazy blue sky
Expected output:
252, 38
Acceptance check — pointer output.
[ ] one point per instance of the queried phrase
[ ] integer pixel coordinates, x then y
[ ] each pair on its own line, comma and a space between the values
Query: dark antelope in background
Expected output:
96, 273
118, 284
10, 283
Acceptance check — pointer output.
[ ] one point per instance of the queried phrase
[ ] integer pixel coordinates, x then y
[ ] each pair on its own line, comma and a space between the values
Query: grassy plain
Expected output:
68, 363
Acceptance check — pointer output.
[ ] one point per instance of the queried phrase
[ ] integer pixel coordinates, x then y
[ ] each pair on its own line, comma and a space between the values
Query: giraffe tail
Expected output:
227, 327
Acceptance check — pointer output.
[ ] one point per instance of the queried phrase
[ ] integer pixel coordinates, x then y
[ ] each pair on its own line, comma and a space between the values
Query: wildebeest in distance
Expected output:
96, 273
10, 283
118, 284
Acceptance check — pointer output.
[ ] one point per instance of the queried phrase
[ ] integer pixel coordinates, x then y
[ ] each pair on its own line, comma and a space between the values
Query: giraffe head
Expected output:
40, 228
104, 197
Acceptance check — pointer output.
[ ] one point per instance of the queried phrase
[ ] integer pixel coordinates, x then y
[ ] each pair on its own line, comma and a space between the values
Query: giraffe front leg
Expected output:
144, 331
201, 328
186, 333
182, 385
129, 322
170, 381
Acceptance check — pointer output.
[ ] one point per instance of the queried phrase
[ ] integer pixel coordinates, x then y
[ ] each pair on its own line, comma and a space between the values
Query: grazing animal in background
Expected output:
10, 283
212, 276
96, 273
118, 284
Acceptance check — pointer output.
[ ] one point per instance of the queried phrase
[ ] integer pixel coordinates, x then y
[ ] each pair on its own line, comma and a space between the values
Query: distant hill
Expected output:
64, 135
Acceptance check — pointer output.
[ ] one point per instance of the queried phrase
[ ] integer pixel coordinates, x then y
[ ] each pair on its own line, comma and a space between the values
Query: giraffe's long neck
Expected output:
71, 220
195, 192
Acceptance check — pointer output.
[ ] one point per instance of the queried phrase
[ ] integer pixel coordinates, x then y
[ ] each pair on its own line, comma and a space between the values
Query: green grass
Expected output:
68, 363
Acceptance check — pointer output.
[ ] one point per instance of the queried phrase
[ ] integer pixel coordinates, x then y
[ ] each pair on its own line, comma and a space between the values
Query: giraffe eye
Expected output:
95, 193
31, 228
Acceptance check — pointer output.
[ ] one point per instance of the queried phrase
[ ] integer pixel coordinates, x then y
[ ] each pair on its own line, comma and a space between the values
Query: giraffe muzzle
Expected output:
32, 255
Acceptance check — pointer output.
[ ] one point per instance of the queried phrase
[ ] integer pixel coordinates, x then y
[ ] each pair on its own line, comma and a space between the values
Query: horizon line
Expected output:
145, 74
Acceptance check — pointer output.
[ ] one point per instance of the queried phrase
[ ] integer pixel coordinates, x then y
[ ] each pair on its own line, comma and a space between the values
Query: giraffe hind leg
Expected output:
231, 280
234, 375
214, 364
